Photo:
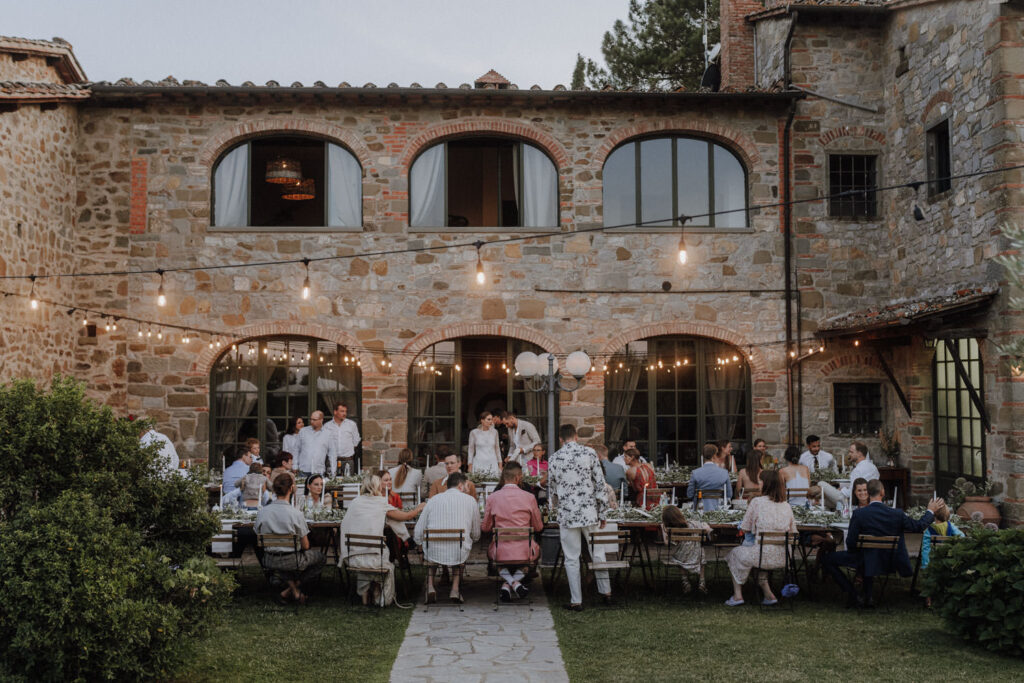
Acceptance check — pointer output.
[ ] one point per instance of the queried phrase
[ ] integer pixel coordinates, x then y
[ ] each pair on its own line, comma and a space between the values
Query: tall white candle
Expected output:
382, 461
644, 503
934, 494
895, 493
622, 495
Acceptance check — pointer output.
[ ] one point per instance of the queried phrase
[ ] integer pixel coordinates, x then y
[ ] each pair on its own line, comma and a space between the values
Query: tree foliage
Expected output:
102, 567
660, 46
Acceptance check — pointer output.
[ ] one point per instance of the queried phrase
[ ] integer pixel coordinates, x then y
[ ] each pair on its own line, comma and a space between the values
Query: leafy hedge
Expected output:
977, 586
102, 566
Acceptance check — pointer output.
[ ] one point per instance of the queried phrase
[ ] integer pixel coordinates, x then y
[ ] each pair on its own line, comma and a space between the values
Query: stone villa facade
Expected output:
120, 177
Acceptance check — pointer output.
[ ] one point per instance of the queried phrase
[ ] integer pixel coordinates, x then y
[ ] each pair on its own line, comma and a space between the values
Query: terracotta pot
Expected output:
982, 504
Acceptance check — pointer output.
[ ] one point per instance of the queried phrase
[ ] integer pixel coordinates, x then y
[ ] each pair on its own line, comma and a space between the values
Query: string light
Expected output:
682, 239
305, 283
480, 277
161, 299
34, 302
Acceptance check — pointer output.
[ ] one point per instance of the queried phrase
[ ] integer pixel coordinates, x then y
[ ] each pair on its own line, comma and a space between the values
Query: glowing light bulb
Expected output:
161, 300
480, 277
34, 303
305, 289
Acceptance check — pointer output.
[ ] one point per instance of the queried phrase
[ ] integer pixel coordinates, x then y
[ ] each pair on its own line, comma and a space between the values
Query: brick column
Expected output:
737, 42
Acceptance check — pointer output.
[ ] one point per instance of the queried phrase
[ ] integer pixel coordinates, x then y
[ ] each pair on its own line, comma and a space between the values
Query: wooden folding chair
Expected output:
509, 535
271, 543
796, 493
673, 537
603, 540
365, 544
408, 499
221, 549
750, 494
654, 495
888, 544
936, 541
709, 494
346, 497
441, 537
788, 542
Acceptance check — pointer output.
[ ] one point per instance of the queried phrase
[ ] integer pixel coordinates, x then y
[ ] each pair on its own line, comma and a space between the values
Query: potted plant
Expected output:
890, 443
968, 498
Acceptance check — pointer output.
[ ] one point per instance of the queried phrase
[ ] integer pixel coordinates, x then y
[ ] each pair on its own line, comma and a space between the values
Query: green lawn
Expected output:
327, 640
679, 638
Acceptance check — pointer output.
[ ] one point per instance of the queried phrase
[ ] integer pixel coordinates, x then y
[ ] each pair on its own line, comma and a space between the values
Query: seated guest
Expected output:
253, 447
620, 459
370, 514
814, 458
252, 486
729, 460
236, 470
405, 477
397, 534
641, 477
795, 475
877, 519
940, 527
283, 464
510, 506
749, 479
537, 464
314, 497
436, 471
863, 469
453, 509
769, 512
711, 476
860, 493
614, 475
452, 464
814, 496
387, 483
688, 555
280, 517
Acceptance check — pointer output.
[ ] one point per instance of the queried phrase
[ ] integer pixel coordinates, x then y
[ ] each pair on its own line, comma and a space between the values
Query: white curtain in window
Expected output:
540, 196
426, 182
344, 192
231, 188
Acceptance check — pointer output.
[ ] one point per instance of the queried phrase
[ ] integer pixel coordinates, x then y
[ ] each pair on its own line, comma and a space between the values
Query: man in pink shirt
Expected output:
511, 506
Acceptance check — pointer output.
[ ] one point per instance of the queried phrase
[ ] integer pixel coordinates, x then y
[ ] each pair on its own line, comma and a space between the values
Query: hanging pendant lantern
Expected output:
284, 171
301, 191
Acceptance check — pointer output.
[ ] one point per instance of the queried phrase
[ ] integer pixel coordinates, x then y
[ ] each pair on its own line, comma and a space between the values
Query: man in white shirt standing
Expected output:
814, 458
523, 436
344, 437
315, 448
167, 454
863, 467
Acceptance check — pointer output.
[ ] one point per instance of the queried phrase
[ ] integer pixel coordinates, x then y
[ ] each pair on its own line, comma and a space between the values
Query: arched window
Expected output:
483, 182
287, 182
654, 181
258, 386
673, 394
453, 381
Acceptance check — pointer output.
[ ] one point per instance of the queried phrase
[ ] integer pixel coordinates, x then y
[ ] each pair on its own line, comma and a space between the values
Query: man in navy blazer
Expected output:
876, 519
712, 476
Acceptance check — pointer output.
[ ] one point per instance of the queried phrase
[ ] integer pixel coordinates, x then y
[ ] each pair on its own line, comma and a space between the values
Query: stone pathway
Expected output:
514, 643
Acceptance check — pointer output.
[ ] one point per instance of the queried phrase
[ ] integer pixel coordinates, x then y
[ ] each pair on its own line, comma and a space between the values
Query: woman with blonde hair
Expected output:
405, 478
367, 515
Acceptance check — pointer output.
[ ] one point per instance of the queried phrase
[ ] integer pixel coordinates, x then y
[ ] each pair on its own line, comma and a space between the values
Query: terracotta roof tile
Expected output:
493, 77
906, 311
17, 90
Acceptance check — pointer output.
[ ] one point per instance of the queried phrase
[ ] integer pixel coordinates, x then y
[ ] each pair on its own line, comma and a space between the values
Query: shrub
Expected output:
102, 573
977, 586
84, 599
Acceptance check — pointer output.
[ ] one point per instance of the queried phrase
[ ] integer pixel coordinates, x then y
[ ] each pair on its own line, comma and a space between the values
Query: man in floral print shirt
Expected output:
576, 480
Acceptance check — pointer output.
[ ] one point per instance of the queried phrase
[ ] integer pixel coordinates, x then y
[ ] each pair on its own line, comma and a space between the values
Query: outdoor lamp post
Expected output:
540, 376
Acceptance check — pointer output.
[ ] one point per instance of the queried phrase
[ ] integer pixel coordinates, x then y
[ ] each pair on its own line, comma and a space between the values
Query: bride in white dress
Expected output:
484, 450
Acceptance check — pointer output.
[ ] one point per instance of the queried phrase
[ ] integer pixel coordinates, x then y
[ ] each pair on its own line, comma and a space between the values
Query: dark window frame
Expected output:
264, 368
321, 189
843, 174
939, 154
963, 420
709, 221
519, 143
867, 405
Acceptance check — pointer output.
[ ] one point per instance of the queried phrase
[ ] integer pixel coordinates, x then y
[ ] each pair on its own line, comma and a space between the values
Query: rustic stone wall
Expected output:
37, 170
392, 302
770, 38
31, 69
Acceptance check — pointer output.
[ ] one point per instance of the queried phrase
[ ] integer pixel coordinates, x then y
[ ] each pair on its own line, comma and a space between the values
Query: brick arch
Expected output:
941, 97
725, 135
488, 124
756, 358
846, 359
424, 340
204, 361
227, 136
851, 131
